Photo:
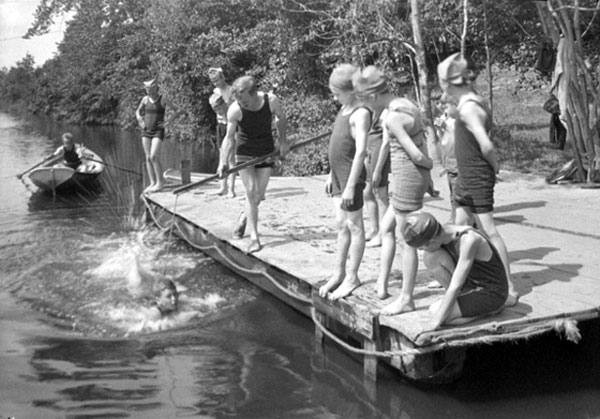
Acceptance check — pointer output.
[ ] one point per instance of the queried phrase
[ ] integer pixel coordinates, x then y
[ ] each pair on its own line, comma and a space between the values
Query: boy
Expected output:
219, 101
69, 151
465, 263
346, 181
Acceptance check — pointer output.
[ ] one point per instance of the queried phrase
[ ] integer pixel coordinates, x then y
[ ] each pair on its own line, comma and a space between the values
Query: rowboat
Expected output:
55, 177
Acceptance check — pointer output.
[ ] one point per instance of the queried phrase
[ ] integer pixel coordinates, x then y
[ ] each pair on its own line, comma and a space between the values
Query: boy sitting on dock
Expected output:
464, 262
346, 181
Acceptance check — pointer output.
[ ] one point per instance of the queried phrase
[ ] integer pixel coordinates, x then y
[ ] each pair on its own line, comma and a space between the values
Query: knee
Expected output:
355, 228
253, 197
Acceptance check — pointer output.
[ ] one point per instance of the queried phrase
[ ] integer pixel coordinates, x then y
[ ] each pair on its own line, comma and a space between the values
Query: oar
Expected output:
112, 165
252, 162
20, 175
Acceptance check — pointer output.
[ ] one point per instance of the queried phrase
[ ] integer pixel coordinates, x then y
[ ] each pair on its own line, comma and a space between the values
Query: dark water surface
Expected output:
64, 311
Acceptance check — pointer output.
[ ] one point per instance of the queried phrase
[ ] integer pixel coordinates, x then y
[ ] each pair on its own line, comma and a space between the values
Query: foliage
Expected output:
290, 46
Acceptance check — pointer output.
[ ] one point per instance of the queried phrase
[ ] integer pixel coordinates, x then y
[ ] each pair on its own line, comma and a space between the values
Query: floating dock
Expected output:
552, 234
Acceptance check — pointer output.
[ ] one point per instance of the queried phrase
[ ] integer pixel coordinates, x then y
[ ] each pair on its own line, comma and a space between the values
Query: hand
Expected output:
376, 180
348, 196
223, 167
328, 186
284, 149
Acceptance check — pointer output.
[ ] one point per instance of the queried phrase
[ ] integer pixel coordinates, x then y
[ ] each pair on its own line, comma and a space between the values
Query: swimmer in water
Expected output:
167, 302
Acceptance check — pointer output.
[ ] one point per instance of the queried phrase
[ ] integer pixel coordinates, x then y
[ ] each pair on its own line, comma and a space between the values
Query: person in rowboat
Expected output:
465, 263
251, 116
150, 115
70, 152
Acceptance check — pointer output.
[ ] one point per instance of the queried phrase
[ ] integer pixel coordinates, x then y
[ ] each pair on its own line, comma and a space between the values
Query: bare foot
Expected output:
374, 242
349, 284
382, 290
401, 305
511, 300
334, 281
254, 246
231, 194
221, 192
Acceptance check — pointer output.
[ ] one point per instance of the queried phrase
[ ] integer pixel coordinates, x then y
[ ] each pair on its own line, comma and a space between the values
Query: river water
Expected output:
65, 311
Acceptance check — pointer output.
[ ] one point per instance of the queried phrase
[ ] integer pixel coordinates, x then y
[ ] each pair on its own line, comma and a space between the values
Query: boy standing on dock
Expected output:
220, 100
475, 154
465, 262
251, 116
346, 181
150, 115
404, 139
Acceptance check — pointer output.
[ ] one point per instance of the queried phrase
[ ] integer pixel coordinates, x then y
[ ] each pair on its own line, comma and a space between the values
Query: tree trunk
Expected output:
424, 90
488, 57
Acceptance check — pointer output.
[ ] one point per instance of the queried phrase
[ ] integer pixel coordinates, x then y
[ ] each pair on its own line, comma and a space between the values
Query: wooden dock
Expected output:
552, 254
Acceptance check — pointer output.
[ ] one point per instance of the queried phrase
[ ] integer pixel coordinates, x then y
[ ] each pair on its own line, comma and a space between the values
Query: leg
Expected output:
410, 263
382, 200
156, 166
486, 222
231, 179
388, 250
355, 225
255, 182
343, 246
147, 145
441, 265
372, 212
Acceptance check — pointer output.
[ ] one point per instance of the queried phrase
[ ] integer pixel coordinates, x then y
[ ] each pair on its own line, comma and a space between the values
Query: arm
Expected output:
280, 124
234, 115
474, 118
469, 247
138, 112
360, 123
397, 122
384, 152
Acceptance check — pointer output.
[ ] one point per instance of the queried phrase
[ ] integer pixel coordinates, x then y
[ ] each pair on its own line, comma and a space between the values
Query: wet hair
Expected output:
168, 284
244, 83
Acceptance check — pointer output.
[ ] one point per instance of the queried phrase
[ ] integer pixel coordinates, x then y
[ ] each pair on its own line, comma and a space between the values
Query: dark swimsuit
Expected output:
486, 288
71, 158
255, 135
342, 148
474, 187
154, 118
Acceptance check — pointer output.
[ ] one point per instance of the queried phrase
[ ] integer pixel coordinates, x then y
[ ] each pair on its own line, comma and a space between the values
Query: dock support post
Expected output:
319, 335
370, 361
185, 169
370, 369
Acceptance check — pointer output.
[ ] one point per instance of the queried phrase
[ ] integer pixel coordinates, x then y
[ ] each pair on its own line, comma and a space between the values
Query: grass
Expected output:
522, 126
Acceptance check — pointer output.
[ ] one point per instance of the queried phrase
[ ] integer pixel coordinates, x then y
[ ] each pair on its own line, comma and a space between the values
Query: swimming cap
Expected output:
418, 228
